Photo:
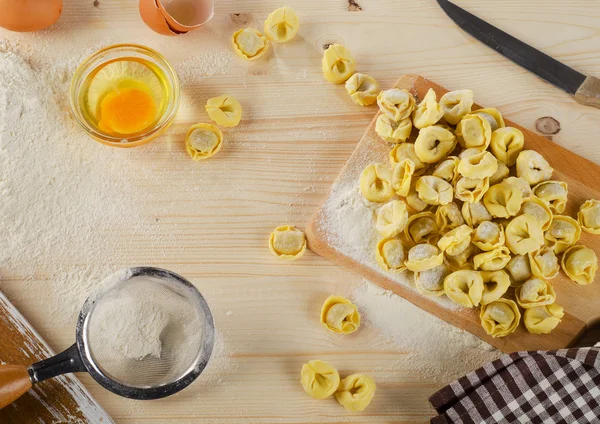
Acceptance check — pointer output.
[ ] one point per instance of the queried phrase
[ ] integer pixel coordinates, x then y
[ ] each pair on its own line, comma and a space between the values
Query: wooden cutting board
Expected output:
60, 400
581, 303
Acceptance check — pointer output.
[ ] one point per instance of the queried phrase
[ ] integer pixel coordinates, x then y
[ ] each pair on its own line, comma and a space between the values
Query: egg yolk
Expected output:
127, 111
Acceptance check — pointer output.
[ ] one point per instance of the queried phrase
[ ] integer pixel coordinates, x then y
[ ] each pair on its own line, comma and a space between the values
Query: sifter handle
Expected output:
589, 92
14, 382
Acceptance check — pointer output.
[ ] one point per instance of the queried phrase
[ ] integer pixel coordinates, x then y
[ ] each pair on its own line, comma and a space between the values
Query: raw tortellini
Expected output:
402, 177
553, 193
506, 144
203, 141
539, 210
287, 242
423, 257
456, 104
489, 236
396, 104
589, 216
502, 172
376, 183
356, 392
533, 168
475, 213
543, 319
521, 184
404, 151
580, 264
495, 284
392, 131
456, 241
474, 131
339, 315
390, 254
477, 164
500, 317
428, 112
471, 190
519, 269
464, 287
447, 170
392, 218
448, 217
434, 143
431, 281
434, 191
363, 89
282, 25
462, 261
493, 260
535, 292
224, 110
319, 379
544, 263
524, 234
422, 228
503, 200
249, 43
563, 233
338, 64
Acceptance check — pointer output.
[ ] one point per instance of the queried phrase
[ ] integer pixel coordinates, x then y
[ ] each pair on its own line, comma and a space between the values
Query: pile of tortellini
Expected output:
472, 214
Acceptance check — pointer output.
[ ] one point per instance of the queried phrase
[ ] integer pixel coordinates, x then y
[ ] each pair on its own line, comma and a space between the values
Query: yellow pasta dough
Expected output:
502, 172
563, 233
434, 143
464, 287
249, 43
224, 110
506, 144
319, 379
553, 193
340, 315
524, 234
474, 131
392, 218
495, 285
456, 104
421, 228
533, 168
456, 241
521, 184
203, 141
362, 89
404, 151
376, 183
431, 281
356, 392
390, 254
489, 236
462, 261
448, 217
477, 164
287, 242
493, 260
535, 292
414, 202
338, 64
580, 263
475, 213
282, 25
402, 177
493, 116
434, 191
447, 170
471, 190
589, 216
503, 200
544, 263
428, 112
500, 318
423, 257
543, 319
539, 210
392, 131
396, 104
519, 269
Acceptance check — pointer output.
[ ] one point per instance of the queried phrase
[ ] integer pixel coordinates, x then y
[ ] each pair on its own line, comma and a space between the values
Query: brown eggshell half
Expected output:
176, 26
154, 16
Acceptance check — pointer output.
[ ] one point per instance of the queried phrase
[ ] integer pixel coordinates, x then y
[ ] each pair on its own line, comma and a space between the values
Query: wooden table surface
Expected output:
277, 167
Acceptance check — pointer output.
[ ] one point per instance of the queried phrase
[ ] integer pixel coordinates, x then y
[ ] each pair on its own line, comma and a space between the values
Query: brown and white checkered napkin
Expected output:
561, 386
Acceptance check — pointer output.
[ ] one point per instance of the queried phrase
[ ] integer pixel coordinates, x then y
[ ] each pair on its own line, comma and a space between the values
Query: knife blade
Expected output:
585, 89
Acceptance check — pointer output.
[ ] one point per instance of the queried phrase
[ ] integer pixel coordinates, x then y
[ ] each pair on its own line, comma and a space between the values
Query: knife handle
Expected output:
589, 92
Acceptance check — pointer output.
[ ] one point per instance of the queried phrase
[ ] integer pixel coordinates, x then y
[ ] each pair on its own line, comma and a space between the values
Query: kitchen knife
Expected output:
586, 90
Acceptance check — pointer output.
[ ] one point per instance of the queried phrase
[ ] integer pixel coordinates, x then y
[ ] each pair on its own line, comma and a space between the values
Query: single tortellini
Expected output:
495, 285
282, 25
553, 193
544, 263
428, 112
503, 200
392, 218
464, 287
414, 202
319, 379
203, 141
376, 183
287, 242
524, 234
340, 315
519, 269
506, 144
589, 216
404, 151
456, 241
539, 210
477, 164
475, 213
580, 263
471, 190
338, 64
500, 318
390, 254
422, 228
543, 319
392, 131
224, 110
249, 43
362, 89
396, 104
563, 233
493, 260
535, 292
474, 131
521, 184
447, 170
493, 116
356, 392
402, 177
456, 104
423, 257
434, 143
463, 260
448, 217
434, 191
533, 168
502, 172
489, 236
431, 281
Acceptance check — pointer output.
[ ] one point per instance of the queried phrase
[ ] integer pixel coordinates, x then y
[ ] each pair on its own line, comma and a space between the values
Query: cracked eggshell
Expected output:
155, 15
29, 15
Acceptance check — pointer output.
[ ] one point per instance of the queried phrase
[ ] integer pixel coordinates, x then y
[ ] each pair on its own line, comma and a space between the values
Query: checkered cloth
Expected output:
561, 386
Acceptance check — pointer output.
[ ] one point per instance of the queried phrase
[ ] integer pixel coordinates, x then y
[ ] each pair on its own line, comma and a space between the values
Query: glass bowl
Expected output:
80, 83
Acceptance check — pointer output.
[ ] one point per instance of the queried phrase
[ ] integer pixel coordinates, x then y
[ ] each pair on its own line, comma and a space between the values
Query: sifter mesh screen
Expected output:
145, 332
